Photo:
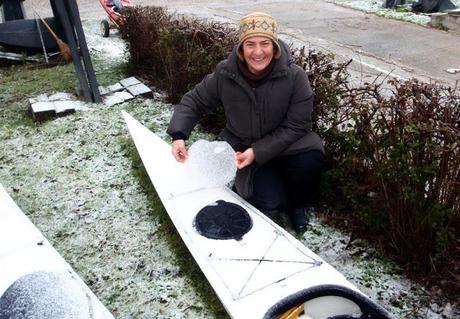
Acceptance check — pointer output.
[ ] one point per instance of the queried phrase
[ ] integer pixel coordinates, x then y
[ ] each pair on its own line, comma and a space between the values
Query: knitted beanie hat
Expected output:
258, 24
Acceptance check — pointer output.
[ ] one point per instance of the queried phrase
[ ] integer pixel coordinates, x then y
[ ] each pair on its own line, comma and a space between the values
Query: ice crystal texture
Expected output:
211, 163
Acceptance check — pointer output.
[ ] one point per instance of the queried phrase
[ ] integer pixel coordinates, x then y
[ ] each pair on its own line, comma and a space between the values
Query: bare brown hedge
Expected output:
394, 157
174, 53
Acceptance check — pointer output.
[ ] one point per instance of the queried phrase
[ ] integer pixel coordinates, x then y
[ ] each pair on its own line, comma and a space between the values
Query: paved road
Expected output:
376, 44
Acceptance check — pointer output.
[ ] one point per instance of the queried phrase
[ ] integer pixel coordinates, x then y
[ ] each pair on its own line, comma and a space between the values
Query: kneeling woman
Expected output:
268, 103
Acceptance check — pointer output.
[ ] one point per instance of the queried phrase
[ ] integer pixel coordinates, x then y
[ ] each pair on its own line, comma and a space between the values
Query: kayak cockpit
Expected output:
326, 302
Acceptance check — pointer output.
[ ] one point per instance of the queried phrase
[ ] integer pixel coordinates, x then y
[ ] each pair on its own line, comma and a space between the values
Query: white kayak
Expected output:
35, 281
256, 268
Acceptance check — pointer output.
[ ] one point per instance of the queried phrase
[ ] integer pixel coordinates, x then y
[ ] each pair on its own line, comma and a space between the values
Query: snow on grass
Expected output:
380, 279
111, 48
80, 180
77, 178
376, 7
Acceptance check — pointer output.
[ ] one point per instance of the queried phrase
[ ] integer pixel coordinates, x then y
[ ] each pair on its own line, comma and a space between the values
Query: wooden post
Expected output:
67, 14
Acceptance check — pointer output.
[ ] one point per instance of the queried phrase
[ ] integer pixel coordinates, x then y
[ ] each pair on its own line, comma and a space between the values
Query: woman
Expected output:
268, 103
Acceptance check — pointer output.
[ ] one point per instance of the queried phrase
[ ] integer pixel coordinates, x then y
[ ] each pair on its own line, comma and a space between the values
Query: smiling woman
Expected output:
268, 103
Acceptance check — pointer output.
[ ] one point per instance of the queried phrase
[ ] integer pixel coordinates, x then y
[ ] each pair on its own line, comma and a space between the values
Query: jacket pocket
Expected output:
244, 180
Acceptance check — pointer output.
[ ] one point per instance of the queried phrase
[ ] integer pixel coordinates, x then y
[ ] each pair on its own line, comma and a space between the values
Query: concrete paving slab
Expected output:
64, 107
40, 107
104, 90
39, 98
129, 82
117, 98
115, 87
140, 90
111, 100
123, 95
41, 111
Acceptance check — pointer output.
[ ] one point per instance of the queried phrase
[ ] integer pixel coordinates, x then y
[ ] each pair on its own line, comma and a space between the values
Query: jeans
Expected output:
287, 182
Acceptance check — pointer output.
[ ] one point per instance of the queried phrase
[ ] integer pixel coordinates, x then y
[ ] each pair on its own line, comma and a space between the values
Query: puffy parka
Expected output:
274, 118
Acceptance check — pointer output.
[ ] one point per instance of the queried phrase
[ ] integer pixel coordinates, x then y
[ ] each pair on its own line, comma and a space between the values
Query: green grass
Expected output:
80, 180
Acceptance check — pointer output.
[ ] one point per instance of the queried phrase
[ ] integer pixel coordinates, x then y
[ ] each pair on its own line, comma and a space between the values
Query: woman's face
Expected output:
258, 53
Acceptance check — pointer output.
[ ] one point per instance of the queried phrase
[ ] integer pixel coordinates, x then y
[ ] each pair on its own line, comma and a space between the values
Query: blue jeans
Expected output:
287, 182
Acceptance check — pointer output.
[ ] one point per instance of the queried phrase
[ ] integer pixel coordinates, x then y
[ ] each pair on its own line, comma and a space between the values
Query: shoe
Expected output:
298, 219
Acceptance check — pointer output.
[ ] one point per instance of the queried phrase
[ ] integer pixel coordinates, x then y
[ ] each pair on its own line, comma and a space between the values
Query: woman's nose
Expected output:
258, 49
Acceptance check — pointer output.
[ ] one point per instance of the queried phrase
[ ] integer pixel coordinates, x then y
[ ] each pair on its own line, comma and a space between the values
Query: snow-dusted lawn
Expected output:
79, 179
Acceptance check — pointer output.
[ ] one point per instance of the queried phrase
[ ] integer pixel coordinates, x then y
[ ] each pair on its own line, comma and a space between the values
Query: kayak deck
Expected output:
252, 273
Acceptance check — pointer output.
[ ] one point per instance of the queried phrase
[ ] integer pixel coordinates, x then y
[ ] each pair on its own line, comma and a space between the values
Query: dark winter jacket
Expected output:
274, 118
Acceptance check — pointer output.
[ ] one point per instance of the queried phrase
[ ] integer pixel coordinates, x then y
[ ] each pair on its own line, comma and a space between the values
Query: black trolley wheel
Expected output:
105, 28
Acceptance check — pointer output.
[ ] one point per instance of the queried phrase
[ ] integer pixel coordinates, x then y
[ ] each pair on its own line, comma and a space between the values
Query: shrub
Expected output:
174, 53
403, 172
393, 157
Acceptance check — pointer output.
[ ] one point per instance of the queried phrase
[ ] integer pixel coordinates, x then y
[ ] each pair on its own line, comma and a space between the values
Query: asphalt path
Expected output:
377, 45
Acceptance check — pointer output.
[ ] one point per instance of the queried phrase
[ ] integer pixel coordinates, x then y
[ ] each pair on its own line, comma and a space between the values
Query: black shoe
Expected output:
298, 219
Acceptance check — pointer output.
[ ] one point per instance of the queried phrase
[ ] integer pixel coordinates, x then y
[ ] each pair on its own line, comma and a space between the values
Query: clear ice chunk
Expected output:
211, 164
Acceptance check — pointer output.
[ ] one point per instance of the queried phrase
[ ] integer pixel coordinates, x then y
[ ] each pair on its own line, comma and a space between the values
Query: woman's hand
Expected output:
243, 159
179, 150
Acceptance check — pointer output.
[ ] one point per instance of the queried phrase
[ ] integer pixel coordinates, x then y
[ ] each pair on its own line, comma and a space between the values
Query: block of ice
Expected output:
211, 163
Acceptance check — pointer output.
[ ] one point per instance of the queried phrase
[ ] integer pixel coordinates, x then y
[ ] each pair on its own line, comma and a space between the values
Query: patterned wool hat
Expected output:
258, 24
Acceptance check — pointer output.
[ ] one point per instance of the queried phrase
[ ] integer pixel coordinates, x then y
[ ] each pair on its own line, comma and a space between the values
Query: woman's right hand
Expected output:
243, 159
179, 150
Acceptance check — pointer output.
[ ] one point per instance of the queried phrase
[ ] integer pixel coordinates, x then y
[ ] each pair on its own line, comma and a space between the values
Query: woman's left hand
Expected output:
243, 159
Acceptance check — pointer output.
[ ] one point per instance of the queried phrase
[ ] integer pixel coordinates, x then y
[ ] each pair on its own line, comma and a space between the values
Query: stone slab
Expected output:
103, 90
39, 98
111, 100
64, 107
41, 107
129, 81
125, 96
140, 90
115, 87
41, 111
